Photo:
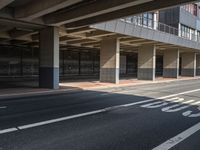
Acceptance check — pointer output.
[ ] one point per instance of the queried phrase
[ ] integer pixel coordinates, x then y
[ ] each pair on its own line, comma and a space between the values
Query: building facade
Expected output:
183, 21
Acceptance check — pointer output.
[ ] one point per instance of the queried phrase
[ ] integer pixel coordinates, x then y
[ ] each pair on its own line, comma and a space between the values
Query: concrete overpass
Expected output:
61, 20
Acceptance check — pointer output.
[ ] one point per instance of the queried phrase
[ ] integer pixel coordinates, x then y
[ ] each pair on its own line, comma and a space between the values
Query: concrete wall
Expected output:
121, 27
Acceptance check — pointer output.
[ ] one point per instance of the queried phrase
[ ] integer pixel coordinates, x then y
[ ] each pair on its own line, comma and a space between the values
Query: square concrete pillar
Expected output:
171, 63
109, 60
146, 62
49, 58
188, 64
198, 65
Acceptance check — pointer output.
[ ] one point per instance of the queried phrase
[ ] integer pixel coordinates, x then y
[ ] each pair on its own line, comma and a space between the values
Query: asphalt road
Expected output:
147, 117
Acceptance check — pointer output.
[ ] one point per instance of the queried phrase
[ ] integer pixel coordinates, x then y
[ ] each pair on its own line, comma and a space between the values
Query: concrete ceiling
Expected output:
20, 20
61, 12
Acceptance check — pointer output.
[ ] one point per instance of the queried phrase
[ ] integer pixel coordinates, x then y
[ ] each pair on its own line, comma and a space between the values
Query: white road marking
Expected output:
160, 103
179, 138
3, 107
91, 112
170, 108
8, 130
60, 119
189, 113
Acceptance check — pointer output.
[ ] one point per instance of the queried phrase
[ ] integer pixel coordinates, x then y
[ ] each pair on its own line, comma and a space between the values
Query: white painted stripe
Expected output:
186, 92
8, 130
190, 114
161, 103
3, 107
179, 138
61, 119
174, 108
94, 112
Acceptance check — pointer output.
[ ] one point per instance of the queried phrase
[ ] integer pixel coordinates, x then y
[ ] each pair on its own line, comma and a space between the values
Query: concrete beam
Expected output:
20, 24
91, 9
80, 41
79, 30
132, 10
99, 33
15, 33
4, 3
66, 38
36, 9
4, 35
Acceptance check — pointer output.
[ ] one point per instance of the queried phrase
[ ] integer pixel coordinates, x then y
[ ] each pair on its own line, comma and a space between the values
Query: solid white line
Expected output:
179, 138
8, 130
3, 107
60, 119
97, 111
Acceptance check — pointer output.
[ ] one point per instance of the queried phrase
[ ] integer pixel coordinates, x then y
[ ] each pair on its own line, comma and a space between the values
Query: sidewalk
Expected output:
129, 82
66, 87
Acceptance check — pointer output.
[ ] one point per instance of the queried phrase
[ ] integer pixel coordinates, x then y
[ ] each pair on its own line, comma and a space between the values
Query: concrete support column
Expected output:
171, 63
198, 65
146, 62
109, 60
188, 64
49, 58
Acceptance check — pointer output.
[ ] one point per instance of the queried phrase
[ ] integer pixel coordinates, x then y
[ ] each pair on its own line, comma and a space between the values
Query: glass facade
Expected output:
18, 61
192, 8
145, 19
24, 61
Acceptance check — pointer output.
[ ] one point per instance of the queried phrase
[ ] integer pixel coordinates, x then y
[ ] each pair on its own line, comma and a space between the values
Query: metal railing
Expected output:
155, 25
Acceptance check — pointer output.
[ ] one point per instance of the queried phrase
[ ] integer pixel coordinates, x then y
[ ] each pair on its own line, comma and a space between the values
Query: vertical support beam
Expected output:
171, 63
188, 64
109, 60
146, 62
49, 58
198, 65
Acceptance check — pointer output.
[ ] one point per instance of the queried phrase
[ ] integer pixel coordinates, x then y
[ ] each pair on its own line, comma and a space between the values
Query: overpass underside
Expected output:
91, 53
57, 40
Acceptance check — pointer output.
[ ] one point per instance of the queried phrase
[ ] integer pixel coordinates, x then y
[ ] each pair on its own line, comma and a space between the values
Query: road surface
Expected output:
158, 116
